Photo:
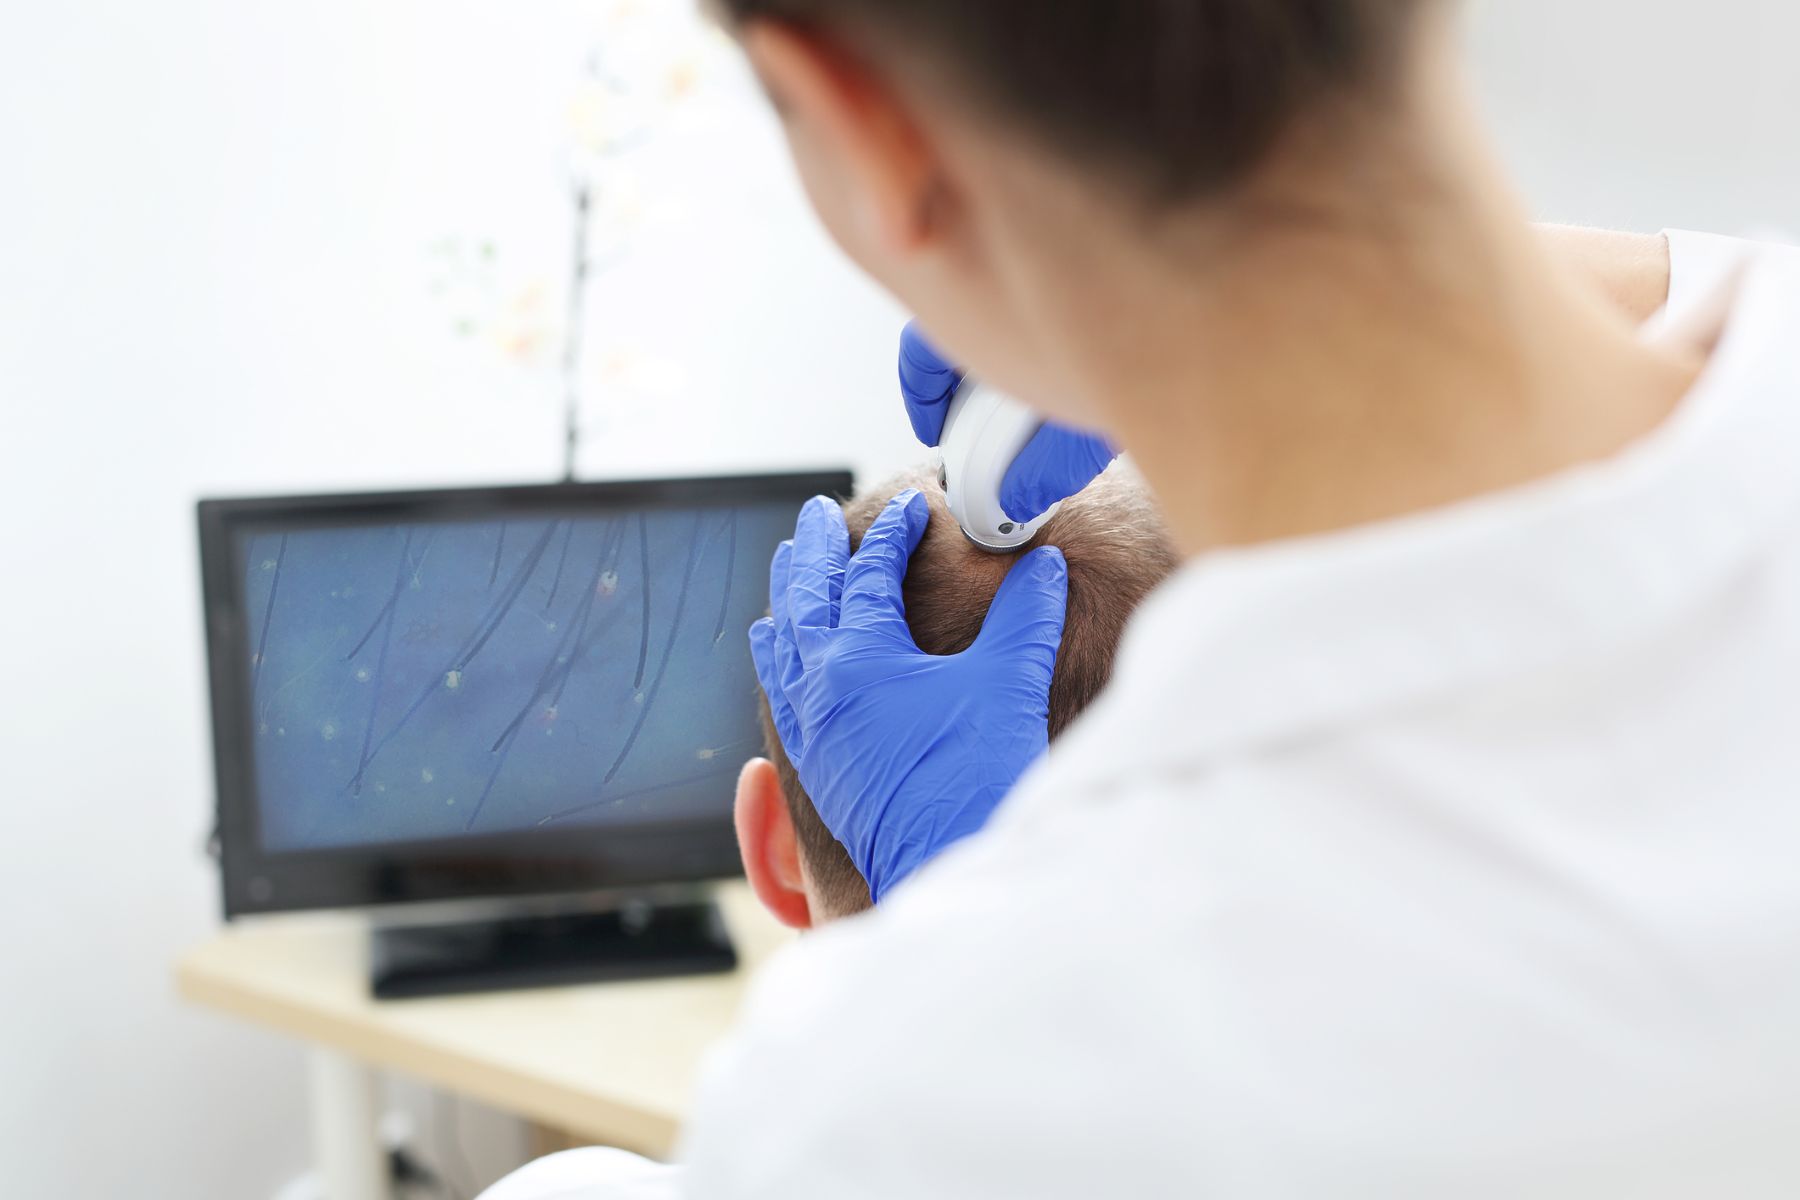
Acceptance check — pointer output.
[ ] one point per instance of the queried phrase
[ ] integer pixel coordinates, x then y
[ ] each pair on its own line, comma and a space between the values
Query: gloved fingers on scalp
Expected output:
1054, 465
926, 384
762, 653
816, 576
785, 657
874, 597
1025, 622
780, 569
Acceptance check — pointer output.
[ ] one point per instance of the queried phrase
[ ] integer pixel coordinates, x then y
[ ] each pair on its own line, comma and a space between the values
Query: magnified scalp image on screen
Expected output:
430, 680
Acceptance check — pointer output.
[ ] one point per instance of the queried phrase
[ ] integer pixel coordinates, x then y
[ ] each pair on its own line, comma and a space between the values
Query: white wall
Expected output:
1647, 114
216, 223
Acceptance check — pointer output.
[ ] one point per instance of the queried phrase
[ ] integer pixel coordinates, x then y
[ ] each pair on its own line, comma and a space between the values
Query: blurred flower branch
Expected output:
647, 60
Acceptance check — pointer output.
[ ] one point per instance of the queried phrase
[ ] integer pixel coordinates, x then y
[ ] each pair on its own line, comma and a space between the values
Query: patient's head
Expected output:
1117, 551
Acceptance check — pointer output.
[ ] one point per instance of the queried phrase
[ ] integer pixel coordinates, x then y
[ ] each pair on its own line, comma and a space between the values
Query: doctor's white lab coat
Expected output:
1453, 856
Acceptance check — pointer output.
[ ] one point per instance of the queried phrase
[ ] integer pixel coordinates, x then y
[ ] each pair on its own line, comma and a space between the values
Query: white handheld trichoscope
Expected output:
984, 430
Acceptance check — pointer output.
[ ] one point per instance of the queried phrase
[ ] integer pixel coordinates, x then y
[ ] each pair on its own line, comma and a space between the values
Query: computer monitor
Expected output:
489, 692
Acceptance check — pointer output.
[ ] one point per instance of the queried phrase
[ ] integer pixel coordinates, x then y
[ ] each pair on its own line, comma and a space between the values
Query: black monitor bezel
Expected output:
492, 866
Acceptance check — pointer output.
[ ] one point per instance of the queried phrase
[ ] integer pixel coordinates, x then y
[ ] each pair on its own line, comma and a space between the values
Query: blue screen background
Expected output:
431, 680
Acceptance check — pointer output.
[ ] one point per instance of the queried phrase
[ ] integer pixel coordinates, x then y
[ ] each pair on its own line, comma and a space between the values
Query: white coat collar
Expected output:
1244, 650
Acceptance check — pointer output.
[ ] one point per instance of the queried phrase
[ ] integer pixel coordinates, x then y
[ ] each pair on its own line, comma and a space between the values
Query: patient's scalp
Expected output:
1116, 546
1117, 549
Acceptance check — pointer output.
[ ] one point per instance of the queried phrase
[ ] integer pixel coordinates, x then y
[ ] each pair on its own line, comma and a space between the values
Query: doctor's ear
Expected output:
769, 847
862, 155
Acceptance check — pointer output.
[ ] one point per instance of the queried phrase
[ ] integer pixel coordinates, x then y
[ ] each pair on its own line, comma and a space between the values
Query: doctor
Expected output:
1438, 834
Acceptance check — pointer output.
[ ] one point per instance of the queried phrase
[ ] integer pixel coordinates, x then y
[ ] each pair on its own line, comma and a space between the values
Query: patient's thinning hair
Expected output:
1117, 549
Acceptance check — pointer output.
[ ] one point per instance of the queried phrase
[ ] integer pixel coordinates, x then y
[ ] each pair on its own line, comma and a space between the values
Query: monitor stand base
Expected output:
637, 941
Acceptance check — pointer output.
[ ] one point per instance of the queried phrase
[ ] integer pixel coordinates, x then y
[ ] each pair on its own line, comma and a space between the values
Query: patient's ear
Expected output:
770, 849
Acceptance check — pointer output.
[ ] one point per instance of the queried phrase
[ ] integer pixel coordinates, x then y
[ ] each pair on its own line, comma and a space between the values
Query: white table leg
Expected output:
346, 1109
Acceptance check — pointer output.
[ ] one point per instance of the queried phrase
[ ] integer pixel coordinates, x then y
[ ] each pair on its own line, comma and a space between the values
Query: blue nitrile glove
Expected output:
902, 752
1054, 465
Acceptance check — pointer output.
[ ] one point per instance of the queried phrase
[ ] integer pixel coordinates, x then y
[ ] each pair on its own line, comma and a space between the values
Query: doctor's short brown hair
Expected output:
1117, 550
1185, 96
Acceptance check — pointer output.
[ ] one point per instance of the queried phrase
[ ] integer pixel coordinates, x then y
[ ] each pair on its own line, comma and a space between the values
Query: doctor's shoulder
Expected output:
962, 1015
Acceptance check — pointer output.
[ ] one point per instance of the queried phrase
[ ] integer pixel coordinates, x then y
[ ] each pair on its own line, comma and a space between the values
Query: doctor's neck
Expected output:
1360, 334
1263, 246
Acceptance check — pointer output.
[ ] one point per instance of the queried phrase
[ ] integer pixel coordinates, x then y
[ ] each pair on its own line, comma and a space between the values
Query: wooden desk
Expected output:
615, 1062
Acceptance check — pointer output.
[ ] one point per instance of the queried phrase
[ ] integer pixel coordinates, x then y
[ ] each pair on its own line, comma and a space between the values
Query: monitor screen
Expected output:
429, 678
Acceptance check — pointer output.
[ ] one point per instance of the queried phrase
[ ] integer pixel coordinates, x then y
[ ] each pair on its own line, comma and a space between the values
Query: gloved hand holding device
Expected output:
1053, 466
902, 752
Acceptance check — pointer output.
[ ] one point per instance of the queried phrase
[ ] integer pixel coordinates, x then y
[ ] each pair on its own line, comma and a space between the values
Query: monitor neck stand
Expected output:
637, 939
